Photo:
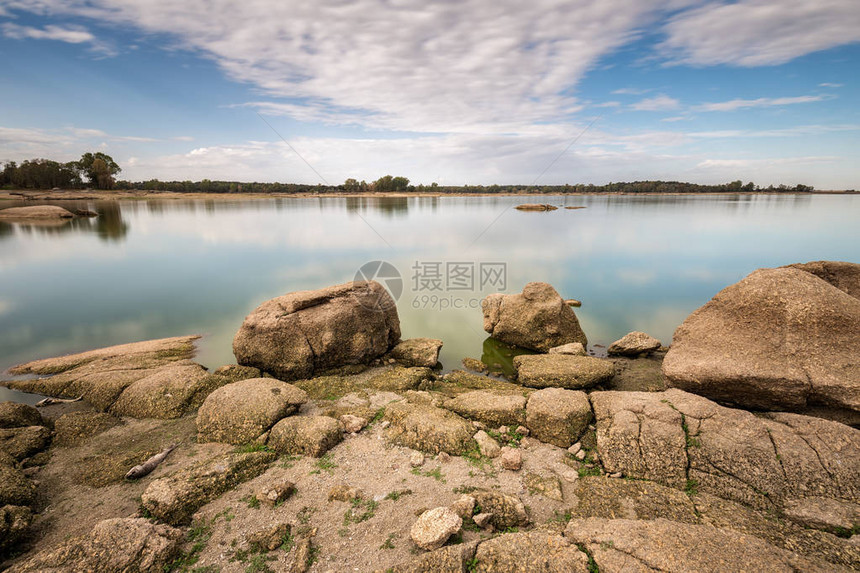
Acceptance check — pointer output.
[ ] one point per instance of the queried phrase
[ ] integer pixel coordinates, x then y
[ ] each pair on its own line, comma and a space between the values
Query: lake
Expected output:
157, 268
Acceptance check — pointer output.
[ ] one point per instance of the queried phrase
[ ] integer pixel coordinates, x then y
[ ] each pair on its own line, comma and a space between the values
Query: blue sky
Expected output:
471, 92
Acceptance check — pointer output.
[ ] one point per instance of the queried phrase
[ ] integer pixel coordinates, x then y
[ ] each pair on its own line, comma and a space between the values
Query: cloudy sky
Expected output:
456, 91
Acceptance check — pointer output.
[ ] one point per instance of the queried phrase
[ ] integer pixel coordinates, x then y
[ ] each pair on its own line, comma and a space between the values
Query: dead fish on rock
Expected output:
50, 401
146, 467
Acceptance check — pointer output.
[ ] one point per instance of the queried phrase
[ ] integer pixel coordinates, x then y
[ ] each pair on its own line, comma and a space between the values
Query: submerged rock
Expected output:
128, 545
537, 318
535, 207
298, 334
633, 344
780, 339
562, 371
241, 411
36, 212
175, 498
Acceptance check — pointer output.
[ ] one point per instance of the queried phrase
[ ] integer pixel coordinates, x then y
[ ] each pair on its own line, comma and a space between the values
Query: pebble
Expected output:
574, 449
511, 458
503, 429
384, 424
616, 475
416, 459
522, 430
482, 520
580, 455
463, 506
443, 457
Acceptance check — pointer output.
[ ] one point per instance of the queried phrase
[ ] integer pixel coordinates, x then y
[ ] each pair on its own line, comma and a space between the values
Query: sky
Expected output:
454, 92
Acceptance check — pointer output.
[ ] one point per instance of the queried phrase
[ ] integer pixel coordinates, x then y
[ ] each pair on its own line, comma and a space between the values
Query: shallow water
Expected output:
151, 269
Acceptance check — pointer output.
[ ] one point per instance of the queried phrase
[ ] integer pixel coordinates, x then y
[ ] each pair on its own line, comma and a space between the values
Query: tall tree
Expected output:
99, 168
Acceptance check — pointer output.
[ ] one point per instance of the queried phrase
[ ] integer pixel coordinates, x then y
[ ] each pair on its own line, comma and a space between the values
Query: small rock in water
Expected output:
416, 459
434, 527
572, 348
512, 458
474, 365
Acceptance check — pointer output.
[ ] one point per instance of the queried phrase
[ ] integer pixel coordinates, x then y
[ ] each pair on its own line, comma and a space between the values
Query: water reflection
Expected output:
199, 266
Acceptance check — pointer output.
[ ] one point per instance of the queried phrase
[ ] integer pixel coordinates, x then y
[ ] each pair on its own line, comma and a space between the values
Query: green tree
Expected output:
99, 168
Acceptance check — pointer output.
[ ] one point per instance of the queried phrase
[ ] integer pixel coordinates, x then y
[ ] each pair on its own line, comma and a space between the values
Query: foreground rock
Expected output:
534, 551
23, 442
842, 275
298, 334
101, 376
557, 416
688, 442
780, 339
175, 498
489, 407
305, 435
418, 352
662, 545
429, 429
36, 212
562, 371
114, 545
240, 412
14, 415
434, 527
537, 319
167, 393
633, 344
15, 522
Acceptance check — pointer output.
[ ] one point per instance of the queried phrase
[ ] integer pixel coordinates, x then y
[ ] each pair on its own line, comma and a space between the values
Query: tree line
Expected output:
98, 170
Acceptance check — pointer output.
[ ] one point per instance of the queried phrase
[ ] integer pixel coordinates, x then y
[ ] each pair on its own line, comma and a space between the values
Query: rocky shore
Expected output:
334, 445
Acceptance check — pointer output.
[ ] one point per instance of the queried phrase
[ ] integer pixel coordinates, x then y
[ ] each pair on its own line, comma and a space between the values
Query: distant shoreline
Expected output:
95, 195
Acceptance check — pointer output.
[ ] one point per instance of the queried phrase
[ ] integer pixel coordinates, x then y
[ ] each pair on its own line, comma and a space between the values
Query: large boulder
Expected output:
557, 416
240, 412
688, 442
175, 498
429, 429
298, 334
14, 415
167, 393
305, 435
490, 408
127, 545
562, 371
538, 318
842, 275
663, 545
780, 339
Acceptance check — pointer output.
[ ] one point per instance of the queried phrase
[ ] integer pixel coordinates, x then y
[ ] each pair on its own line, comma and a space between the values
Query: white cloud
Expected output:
720, 163
479, 66
68, 34
760, 32
660, 103
830, 85
737, 104
630, 91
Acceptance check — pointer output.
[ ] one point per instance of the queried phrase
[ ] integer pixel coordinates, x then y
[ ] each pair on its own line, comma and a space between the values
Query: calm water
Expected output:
152, 269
